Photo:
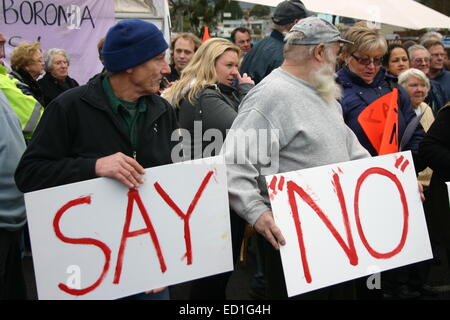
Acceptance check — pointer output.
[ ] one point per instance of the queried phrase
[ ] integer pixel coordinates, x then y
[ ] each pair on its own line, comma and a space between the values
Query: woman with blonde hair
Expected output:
27, 65
209, 90
207, 97
364, 81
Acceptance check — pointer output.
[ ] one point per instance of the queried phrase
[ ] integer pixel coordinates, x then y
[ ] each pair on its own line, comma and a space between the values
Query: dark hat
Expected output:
131, 42
287, 11
316, 30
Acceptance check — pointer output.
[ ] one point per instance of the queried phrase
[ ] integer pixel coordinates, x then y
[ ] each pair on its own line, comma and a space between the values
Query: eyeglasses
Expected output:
438, 55
367, 61
421, 60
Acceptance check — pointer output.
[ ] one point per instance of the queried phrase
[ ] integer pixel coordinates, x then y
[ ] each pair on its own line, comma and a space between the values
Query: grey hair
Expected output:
48, 57
415, 48
429, 35
405, 75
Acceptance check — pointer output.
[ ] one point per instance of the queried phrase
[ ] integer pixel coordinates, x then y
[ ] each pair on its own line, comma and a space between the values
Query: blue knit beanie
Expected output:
130, 43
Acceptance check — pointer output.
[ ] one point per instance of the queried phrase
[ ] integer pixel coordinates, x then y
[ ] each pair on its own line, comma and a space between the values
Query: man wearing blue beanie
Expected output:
114, 126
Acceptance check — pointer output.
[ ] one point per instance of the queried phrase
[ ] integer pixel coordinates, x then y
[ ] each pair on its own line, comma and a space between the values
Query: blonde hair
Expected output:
364, 38
200, 71
23, 54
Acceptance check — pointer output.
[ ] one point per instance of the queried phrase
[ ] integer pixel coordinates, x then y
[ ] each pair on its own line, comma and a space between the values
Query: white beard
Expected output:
326, 86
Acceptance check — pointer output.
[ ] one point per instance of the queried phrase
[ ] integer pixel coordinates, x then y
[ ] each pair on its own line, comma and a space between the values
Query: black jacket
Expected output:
28, 85
435, 152
266, 56
79, 127
51, 88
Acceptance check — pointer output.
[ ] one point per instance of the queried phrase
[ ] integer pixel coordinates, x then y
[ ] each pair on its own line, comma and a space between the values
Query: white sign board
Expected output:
98, 240
448, 189
348, 220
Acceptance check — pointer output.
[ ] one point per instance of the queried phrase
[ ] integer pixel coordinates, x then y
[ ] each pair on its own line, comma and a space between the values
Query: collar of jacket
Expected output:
23, 75
96, 97
440, 74
224, 88
52, 79
348, 78
277, 35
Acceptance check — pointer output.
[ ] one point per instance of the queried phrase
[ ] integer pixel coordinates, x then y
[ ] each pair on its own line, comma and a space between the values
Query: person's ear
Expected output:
319, 53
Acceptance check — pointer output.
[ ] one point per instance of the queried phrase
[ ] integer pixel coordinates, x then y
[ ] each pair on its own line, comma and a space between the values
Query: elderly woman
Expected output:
417, 84
206, 93
56, 79
27, 65
396, 59
364, 81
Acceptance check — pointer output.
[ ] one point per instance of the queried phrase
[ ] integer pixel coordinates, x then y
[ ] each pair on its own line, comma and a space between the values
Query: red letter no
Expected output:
397, 183
349, 249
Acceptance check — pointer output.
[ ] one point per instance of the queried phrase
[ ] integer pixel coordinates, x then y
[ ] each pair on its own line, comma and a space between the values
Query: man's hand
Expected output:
155, 290
122, 168
266, 226
422, 195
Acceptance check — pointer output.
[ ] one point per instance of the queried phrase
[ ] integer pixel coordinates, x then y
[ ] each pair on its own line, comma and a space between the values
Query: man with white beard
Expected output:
297, 104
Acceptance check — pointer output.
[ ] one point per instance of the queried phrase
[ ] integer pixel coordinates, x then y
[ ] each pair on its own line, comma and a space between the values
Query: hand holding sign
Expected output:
266, 226
122, 168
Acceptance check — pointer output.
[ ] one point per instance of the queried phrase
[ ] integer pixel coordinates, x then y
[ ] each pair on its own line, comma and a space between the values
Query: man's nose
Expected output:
166, 68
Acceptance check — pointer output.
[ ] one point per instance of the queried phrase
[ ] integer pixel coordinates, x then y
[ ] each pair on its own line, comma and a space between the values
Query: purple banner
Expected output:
73, 25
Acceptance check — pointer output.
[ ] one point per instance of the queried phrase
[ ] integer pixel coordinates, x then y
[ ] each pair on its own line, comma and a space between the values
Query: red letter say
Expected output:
133, 195
187, 216
86, 241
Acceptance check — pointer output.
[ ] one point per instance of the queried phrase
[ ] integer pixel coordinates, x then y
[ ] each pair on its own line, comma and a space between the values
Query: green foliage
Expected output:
192, 15
260, 11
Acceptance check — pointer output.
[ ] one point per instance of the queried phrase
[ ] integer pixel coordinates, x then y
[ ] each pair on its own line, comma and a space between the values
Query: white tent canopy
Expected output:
404, 13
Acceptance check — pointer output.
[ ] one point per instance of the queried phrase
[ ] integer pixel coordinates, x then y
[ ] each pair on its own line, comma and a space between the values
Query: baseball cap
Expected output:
316, 30
287, 11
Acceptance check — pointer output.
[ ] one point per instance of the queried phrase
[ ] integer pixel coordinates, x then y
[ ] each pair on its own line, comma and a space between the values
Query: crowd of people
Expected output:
306, 80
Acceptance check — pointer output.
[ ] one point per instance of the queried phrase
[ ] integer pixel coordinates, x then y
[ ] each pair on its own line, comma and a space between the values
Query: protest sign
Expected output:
98, 240
379, 122
348, 220
73, 25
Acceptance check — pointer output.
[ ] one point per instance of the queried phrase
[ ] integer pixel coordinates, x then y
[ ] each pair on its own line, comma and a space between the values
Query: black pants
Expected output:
12, 281
214, 287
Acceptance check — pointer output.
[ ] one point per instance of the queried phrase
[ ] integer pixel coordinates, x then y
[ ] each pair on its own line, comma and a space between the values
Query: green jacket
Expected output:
25, 106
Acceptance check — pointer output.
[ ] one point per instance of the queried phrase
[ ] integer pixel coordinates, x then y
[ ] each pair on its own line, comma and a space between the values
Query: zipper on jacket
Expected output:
134, 154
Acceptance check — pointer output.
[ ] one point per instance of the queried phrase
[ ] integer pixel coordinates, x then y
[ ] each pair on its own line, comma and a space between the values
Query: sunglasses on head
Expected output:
367, 61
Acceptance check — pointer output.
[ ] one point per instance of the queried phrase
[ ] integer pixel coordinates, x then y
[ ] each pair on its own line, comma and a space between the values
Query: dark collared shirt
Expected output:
129, 113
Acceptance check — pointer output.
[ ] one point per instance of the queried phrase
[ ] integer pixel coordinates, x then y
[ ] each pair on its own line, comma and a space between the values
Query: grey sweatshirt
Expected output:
306, 132
12, 145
